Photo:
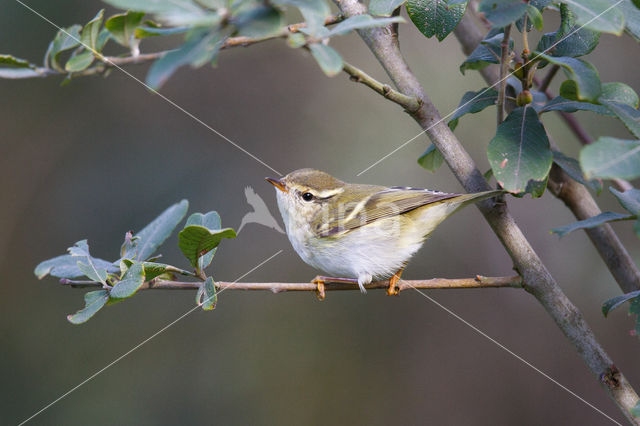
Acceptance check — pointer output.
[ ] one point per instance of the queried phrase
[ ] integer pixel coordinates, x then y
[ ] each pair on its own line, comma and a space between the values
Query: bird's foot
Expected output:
393, 289
320, 281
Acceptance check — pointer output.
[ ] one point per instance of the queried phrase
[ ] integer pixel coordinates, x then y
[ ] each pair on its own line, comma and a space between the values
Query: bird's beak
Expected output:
278, 184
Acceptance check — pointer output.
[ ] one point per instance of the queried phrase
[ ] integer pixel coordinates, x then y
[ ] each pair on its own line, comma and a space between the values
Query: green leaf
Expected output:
130, 283
93, 302
488, 52
384, 7
431, 159
149, 31
473, 102
152, 269
629, 116
90, 32
12, 67
598, 15
436, 17
635, 411
329, 60
196, 241
65, 39
202, 46
212, 222
174, 12
314, 12
620, 93
210, 298
581, 72
610, 158
79, 62
571, 166
592, 222
155, 233
536, 15
122, 27
561, 104
361, 21
502, 12
93, 273
519, 154
570, 39
66, 266
629, 199
613, 303
262, 21
296, 40
632, 19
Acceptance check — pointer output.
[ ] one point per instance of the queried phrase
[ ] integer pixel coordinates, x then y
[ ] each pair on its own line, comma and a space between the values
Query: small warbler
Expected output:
360, 232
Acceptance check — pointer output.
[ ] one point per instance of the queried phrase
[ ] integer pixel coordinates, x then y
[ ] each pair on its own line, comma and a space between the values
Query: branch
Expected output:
435, 283
575, 196
537, 279
410, 104
547, 78
504, 68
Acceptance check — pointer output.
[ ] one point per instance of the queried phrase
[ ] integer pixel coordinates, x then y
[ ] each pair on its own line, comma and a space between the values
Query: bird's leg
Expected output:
393, 290
320, 280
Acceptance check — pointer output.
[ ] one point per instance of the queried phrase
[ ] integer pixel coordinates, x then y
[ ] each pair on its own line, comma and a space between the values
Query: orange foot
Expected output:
393, 289
320, 280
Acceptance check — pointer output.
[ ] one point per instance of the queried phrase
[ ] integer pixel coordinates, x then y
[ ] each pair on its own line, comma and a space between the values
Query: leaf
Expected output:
79, 62
613, 303
151, 269
210, 297
610, 158
156, 232
261, 21
201, 47
92, 272
130, 283
571, 166
629, 199
65, 39
598, 15
148, 31
536, 15
361, 21
561, 104
174, 12
431, 159
384, 7
502, 12
329, 60
632, 18
66, 266
629, 116
487, 52
436, 17
93, 302
582, 73
473, 102
592, 222
314, 12
620, 93
212, 222
196, 241
520, 153
122, 27
635, 411
12, 67
90, 32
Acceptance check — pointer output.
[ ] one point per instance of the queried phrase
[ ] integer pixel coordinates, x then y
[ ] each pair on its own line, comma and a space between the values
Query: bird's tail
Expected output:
465, 199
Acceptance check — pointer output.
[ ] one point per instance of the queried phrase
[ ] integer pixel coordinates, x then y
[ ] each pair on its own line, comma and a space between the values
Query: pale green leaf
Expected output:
610, 158
436, 17
156, 232
431, 159
384, 7
122, 27
599, 15
329, 60
93, 302
130, 282
591, 222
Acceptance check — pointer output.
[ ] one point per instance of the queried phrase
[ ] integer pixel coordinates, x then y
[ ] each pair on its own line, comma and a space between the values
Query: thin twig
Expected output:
547, 78
504, 68
434, 283
411, 104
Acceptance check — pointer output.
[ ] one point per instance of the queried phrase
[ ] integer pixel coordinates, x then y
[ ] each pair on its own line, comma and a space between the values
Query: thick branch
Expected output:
572, 193
435, 283
410, 104
537, 279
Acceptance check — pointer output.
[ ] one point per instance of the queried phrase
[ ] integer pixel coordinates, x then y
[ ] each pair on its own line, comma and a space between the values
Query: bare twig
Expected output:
435, 283
537, 279
411, 104
548, 77
504, 68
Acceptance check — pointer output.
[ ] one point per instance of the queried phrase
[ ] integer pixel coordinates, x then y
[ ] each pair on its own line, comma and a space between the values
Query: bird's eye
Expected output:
307, 196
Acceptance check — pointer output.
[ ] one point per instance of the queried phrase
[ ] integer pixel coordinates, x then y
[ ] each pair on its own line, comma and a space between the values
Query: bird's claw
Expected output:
393, 289
319, 282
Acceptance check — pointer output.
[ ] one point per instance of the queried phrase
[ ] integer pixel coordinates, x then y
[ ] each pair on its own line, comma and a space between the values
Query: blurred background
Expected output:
102, 156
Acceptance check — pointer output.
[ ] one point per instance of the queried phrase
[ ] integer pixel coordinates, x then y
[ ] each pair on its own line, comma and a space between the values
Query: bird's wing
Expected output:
387, 202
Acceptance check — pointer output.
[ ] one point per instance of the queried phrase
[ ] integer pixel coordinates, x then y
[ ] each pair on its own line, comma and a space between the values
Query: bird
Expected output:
357, 232
260, 214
